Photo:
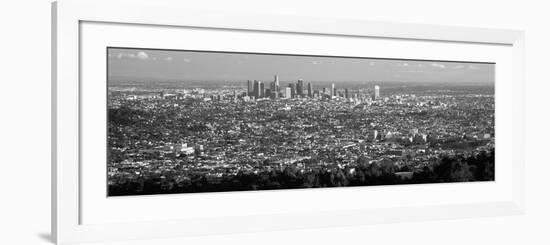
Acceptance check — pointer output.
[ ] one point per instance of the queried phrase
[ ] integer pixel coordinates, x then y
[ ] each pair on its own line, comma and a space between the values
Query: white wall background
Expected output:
25, 122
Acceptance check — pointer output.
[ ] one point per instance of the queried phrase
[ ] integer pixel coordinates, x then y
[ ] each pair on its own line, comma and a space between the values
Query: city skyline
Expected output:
168, 65
278, 127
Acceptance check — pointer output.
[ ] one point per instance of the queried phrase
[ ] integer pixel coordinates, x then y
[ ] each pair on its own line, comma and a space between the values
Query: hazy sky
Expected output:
187, 65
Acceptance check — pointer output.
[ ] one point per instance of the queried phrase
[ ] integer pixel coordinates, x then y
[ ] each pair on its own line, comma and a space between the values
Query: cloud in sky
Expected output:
411, 71
124, 55
142, 55
181, 65
459, 66
437, 65
409, 64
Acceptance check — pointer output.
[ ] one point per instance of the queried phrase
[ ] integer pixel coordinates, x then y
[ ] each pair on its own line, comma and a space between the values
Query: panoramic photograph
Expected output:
187, 121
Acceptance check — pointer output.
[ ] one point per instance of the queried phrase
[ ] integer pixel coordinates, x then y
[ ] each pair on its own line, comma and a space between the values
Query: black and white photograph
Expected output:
192, 121
275, 122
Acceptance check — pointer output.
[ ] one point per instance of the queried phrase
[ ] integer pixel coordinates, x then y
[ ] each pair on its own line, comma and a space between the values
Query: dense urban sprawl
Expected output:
249, 136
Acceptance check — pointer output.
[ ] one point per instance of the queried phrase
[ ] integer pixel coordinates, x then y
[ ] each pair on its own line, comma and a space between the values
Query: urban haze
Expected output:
202, 121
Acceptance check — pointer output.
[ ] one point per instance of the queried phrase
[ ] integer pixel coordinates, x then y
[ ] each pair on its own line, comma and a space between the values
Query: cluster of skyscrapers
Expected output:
258, 89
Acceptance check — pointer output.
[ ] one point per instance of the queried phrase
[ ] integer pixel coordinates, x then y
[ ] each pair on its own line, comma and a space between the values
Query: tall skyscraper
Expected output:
272, 94
277, 85
332, 91
256, 92
300, 87
376, 92
262, 90
309, 90
292, 89
250, 88
347, 93
288, 93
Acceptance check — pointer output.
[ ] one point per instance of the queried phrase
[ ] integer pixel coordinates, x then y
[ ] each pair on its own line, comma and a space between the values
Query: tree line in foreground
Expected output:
448, 169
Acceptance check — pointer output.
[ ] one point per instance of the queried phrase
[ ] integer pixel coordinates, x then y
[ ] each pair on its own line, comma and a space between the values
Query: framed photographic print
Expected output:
170, 122
201, 126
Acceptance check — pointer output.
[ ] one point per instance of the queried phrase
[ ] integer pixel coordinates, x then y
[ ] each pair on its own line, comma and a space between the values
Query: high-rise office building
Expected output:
273, 94
347, 93
277, 85
256, 92
262, 90
376, 92
309, 90
288, 93
292, 89
332, 91
250, 88
300, 88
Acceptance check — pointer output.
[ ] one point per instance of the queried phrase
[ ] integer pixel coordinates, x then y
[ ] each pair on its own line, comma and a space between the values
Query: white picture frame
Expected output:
67, 18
